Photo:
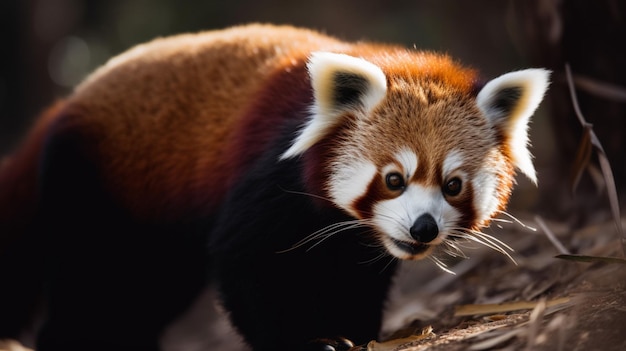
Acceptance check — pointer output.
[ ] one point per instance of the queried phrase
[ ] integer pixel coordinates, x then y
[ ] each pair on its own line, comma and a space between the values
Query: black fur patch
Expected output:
266, 283
507, 99
349, 88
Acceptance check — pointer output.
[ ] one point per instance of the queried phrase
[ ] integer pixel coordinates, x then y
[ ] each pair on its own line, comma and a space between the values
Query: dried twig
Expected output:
601, 89
534, 324
483, 309
551, 236
590, 141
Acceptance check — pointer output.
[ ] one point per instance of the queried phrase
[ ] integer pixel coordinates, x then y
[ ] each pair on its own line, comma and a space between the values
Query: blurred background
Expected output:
51, 45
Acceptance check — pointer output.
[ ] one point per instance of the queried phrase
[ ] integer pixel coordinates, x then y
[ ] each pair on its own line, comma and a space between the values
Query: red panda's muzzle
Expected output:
425, 229
413, 249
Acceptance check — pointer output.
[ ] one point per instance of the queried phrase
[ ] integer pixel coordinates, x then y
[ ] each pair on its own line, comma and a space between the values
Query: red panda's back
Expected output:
161, 115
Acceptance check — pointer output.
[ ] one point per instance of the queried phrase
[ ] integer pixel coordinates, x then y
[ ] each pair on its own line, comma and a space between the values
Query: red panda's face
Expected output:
416, 159
421, 168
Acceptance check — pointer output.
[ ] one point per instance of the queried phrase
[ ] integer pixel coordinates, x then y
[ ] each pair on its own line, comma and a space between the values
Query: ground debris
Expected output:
542, 303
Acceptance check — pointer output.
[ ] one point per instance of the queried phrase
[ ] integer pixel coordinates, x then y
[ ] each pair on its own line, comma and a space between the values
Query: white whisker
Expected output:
399, 222
306, 194
492, 239
483, 239
440, 264
326, 232
391, 260
493, 243
514, 219
377, 258
452, 249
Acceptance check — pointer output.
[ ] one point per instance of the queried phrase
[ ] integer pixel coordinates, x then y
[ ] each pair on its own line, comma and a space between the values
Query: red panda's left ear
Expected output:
340, 83
508, 102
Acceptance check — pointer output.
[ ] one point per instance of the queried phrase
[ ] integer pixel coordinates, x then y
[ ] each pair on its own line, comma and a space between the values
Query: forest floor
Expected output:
540, 302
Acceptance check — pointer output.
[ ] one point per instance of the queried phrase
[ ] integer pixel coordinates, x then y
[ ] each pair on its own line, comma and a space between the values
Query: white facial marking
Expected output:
485, 200
394, 217
408, 160
452, 162
349, 182
485, 183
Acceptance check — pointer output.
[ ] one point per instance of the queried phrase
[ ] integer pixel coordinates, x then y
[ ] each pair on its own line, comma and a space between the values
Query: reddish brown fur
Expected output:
170, 117
438, 95
435, 107
171, 109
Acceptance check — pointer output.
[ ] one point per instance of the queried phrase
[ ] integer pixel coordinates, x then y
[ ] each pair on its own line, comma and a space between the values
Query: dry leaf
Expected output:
395, 344
471, 310
551, 236
586, 258
491, 343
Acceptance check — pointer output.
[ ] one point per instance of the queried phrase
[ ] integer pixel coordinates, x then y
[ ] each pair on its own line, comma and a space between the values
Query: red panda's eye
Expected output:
395, 181
453, 187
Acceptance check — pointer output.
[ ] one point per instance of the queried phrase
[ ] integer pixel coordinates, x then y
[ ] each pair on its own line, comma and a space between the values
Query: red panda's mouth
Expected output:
411, 248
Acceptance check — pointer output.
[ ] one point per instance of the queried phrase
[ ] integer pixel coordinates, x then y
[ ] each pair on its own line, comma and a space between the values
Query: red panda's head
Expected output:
412, 150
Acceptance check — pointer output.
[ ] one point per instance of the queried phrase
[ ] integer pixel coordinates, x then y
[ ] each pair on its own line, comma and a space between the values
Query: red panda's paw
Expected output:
331, 344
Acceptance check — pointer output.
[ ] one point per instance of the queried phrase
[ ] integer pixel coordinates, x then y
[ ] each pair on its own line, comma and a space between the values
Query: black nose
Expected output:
424, 229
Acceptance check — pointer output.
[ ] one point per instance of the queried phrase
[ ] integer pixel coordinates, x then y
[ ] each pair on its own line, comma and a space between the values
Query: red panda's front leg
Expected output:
331, 344
287, 297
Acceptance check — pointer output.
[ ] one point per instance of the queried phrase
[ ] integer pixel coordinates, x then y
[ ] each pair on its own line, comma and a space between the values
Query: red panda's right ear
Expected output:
508, 102
340, 83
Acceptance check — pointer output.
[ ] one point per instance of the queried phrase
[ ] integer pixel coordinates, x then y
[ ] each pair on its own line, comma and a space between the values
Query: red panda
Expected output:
286, 168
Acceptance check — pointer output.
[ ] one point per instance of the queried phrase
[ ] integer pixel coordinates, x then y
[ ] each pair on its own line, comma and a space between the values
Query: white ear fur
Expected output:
340, 83
508, 102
